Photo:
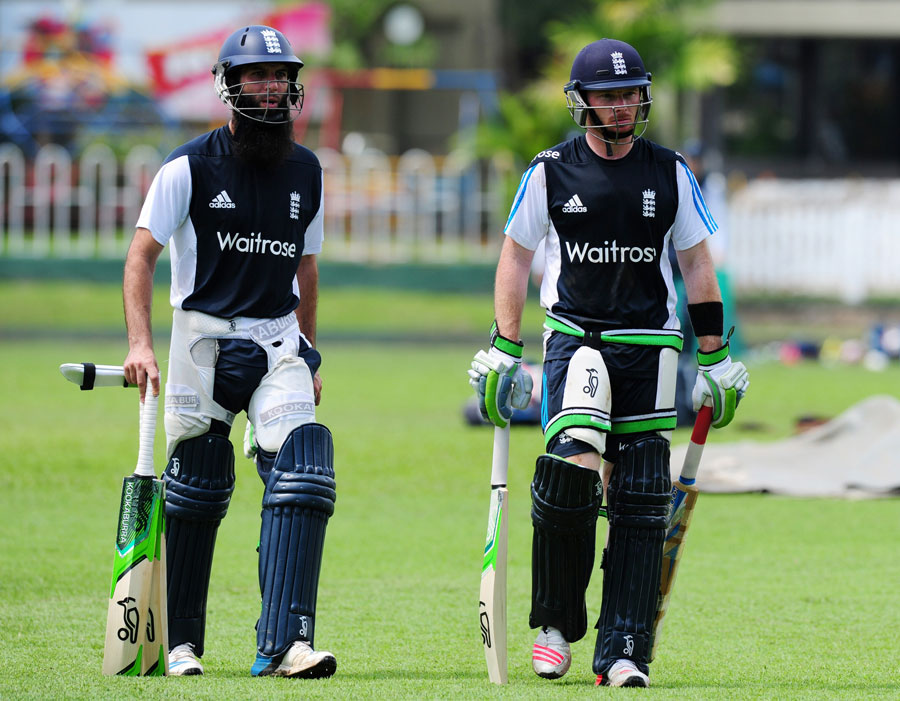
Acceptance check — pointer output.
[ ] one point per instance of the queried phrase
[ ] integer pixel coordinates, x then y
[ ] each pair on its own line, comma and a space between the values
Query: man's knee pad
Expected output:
586, 401
284, 400
565, 501
199, 482
297, 502
638, 493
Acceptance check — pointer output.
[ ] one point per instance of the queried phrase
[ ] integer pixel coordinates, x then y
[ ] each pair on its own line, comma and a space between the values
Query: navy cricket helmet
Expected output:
252, 44
607, 64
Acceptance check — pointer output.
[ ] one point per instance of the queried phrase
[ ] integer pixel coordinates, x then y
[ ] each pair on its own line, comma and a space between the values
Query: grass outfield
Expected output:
777, 598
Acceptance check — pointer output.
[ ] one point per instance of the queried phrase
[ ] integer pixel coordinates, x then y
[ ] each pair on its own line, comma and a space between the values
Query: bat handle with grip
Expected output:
500, 461
695, 447
147, 434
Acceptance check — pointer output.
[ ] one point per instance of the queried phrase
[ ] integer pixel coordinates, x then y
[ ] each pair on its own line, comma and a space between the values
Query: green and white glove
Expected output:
499, 380
720, 383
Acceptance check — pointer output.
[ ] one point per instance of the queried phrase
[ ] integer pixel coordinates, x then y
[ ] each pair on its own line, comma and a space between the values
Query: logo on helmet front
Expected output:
618, 63
273, 46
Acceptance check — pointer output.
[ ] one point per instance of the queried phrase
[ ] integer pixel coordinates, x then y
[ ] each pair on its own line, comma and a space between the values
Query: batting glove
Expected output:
499, 380
720, 383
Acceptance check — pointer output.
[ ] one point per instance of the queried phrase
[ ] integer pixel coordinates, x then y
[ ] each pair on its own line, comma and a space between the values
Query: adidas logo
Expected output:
574, 206
222, 201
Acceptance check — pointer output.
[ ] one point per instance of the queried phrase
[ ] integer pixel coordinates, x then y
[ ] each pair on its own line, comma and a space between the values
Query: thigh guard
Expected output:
565, 501
283, 401
586, 403
297, 502
199, 482
190, 407
639, 491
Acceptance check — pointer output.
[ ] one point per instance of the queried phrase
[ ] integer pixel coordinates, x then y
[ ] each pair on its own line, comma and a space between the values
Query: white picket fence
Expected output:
836, 238
415, 207
833, 238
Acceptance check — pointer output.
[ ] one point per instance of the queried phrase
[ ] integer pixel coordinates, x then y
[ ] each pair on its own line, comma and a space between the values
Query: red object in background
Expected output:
50, 39
176, 66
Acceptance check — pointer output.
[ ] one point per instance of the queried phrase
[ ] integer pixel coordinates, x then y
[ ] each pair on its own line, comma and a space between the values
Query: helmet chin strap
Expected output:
606, 142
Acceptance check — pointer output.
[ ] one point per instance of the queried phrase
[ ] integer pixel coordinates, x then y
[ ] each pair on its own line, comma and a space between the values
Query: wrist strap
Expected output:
505, 345
707, 318
713, 357
717, 355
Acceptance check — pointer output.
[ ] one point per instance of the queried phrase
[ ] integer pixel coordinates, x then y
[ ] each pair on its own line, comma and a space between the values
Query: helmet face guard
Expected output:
580, 111
607, 65
258, 44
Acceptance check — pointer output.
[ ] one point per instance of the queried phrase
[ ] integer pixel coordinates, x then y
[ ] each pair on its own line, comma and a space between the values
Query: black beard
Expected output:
262, 144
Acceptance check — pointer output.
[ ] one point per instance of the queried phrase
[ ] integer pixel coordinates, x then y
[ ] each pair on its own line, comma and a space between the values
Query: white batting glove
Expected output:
720, 383
499, 381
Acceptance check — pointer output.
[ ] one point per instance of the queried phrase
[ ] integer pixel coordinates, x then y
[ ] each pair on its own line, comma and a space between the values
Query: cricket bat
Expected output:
136, 624
681, 508
492, 599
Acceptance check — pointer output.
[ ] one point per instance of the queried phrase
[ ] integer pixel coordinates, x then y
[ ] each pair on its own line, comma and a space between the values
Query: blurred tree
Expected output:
678, 55
526, 46
359, 40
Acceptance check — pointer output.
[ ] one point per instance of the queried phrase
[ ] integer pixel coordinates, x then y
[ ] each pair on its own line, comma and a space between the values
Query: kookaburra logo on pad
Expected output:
593, 382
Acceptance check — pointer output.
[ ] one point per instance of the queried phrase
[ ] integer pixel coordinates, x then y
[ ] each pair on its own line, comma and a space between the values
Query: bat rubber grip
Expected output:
147, 434
695, 446
701, 425
500, 457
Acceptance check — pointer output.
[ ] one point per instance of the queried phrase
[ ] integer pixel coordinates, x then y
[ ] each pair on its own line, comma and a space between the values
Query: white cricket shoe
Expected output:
623, 673
550, 656
183, 661
300, 660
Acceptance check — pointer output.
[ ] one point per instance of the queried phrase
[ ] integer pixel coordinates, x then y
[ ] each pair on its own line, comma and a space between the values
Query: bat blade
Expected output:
136, 625
155, 657
136, 551
681, 509
492, 598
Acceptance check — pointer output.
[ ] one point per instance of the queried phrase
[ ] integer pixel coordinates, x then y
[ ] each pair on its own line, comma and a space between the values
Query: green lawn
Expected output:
777, 598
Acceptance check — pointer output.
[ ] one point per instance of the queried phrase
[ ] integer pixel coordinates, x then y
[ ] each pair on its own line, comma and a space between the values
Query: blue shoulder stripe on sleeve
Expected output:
520, 194
699, 203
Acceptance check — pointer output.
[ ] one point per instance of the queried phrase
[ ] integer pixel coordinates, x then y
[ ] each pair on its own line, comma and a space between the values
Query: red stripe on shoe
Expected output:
547, 654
